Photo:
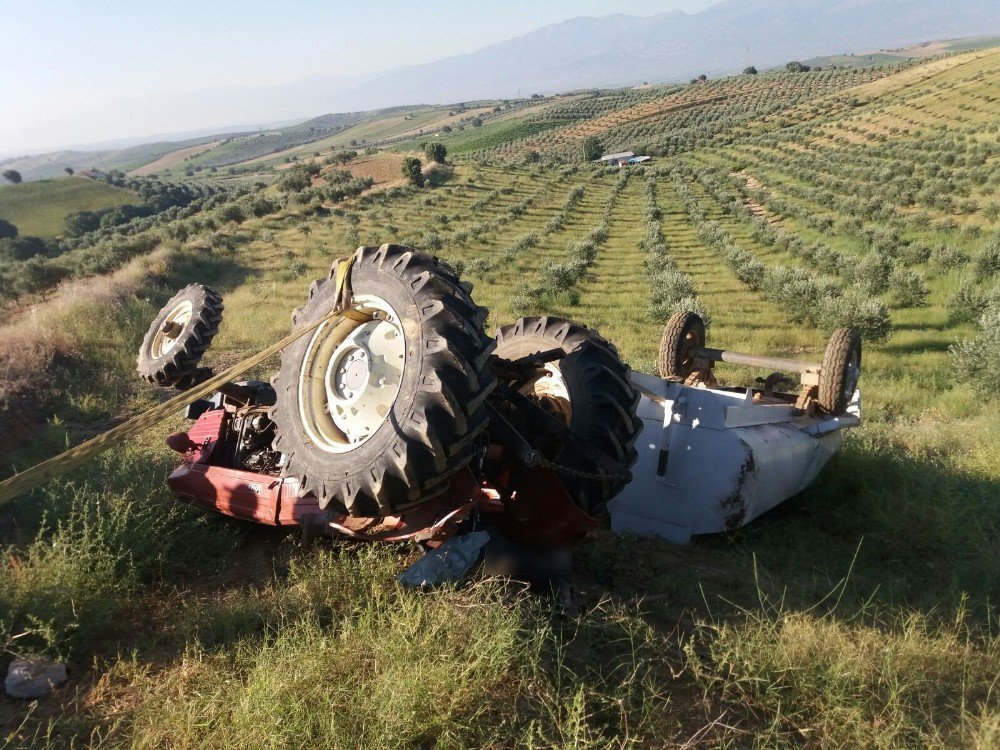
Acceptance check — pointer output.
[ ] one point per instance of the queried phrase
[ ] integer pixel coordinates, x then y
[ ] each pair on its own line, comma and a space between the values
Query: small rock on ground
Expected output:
33, 677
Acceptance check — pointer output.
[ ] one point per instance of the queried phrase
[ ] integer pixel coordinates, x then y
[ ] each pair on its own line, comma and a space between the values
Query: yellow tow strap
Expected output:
39, 474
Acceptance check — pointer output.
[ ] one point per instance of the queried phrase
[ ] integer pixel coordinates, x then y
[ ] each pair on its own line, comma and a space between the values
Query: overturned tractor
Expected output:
394, 416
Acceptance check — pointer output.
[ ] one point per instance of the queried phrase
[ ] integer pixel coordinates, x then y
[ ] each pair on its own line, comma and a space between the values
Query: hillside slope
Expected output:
40, 208
51, 164
860, 614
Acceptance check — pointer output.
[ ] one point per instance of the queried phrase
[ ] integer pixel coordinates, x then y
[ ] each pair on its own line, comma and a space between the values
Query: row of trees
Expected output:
803, 296
670, 289
557, 282
690, 118
878, 271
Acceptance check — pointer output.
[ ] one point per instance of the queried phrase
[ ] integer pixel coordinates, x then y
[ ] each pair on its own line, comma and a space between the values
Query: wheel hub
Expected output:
352, 374
349, 385
170, 331
550, 391
853, 375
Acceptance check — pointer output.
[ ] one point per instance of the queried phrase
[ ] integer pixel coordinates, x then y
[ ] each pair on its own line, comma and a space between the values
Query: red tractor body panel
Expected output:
234, 492
535, 508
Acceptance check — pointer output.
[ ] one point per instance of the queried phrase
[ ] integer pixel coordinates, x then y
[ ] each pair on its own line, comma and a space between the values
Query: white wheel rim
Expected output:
549, 389
350, 377
171, 329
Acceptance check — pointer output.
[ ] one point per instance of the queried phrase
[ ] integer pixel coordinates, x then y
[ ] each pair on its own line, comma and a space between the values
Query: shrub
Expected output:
432, 241
987, 262
523, 301
262, 206
294, 180
969, 301
411, 170
435, 152
909, 289
351, 238
977, 360
560, 277
947, 257
868, 315
479, 267
81, 222
232, 212
871, 274
23, 248
35, 275
667, 289
798, 293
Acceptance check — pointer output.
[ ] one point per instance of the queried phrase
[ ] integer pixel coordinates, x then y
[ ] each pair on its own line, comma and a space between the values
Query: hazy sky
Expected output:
65, 58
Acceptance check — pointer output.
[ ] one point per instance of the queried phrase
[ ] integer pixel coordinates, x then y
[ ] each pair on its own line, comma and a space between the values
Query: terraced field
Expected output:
40, 208
860, 614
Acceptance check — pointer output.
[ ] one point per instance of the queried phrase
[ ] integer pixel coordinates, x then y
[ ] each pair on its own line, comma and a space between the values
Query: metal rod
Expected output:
776, 363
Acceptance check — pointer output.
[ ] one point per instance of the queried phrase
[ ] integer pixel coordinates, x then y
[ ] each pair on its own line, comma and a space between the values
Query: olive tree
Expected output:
592, 148
412, 170
436, 152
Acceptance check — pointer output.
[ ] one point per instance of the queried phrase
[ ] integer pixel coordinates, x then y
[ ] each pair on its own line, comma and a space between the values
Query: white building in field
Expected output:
615, 159
624, 159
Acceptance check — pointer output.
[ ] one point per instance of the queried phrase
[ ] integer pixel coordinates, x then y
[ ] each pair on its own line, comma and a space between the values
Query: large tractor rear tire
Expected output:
374, 417
589, 391
179, 336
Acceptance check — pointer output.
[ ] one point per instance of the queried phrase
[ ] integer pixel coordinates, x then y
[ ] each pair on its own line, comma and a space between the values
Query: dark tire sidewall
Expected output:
590, 363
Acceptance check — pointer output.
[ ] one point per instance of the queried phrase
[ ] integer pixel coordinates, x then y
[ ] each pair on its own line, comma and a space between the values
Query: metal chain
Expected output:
559, 469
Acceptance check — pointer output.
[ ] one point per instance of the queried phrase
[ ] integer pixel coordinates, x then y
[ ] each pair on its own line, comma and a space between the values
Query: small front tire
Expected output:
840, 371
179, 336
682, 336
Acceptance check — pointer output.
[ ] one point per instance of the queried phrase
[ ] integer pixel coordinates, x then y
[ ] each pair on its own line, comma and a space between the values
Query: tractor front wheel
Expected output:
179, 336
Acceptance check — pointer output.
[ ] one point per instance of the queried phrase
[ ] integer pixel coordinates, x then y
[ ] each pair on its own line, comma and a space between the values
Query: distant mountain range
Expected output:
617, 50
622, 50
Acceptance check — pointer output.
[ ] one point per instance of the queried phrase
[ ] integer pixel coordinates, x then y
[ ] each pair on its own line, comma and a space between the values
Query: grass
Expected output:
895, 681
860, 614
40, 208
